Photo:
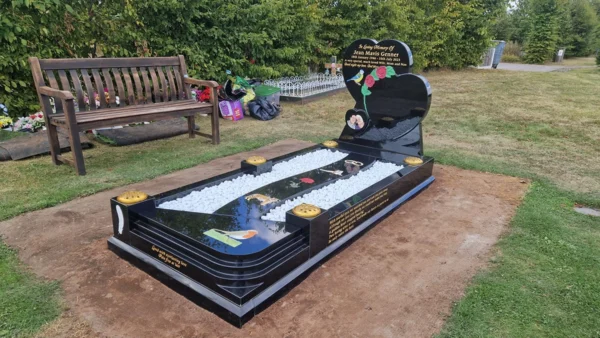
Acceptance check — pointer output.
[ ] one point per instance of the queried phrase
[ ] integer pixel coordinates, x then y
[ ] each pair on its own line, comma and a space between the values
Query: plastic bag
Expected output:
262, 109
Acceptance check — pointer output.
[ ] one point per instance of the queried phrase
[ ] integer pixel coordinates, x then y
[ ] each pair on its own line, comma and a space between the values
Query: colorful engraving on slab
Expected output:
214, 234
264, 200
358, 77
294, 185
242, 234
307, 180
356, 122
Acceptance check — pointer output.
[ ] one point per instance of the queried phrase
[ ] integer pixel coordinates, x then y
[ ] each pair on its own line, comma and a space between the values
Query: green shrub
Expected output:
511, 58
256, 38
541, 40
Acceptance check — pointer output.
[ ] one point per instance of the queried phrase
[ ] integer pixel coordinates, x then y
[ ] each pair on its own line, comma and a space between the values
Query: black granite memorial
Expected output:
234, 261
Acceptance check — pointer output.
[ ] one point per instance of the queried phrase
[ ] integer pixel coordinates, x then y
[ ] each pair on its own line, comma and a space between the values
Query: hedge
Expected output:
257, 38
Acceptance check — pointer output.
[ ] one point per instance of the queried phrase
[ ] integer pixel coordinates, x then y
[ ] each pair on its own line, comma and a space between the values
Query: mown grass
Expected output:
581, 61
544, 280
26, 303
7, 135
544, 126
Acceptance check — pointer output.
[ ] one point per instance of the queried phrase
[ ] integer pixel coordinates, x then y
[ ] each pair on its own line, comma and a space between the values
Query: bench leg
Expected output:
216, 137
54, 144
192, 126
75, 143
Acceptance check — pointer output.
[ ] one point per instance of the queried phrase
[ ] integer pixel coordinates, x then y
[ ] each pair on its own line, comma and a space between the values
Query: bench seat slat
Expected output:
109, 114
127, 108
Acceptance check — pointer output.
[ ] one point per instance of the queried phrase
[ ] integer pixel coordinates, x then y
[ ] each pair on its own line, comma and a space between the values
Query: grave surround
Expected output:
233, 259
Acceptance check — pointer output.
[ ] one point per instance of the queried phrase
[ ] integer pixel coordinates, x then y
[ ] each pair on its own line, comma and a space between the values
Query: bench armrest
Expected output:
205, 83
56, 93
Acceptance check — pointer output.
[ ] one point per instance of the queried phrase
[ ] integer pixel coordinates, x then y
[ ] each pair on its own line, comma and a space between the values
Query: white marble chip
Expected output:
337, 192
209, 200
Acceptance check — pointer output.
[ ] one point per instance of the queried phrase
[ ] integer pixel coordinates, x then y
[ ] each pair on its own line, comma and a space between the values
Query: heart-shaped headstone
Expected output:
390, 102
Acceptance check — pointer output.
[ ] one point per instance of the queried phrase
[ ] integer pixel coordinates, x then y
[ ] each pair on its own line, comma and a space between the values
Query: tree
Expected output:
584, 22
541, 40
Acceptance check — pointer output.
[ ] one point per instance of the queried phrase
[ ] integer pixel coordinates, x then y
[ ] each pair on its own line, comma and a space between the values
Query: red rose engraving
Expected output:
380, 72
370, 81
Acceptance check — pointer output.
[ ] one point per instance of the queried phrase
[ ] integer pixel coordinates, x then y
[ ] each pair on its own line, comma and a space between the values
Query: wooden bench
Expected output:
149, 89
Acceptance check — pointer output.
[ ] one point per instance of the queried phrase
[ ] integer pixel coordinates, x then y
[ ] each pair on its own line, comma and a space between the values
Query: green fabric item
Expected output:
264, 90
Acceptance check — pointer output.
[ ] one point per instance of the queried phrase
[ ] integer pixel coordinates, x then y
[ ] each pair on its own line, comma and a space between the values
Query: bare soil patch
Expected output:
399, 279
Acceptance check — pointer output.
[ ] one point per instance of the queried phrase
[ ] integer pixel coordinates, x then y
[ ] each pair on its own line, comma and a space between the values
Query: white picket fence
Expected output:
303, 86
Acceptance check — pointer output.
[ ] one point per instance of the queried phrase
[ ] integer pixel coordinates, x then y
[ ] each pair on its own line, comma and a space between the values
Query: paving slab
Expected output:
398, 280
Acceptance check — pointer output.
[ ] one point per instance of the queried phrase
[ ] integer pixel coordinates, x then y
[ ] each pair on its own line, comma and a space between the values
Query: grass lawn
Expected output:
25, 302
7, 135
545, 126
587, 61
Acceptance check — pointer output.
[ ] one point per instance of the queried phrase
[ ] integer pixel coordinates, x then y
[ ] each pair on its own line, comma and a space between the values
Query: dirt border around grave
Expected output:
399, 279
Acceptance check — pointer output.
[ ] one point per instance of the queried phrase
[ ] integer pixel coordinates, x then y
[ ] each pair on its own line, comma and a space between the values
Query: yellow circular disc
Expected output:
330, 144
130, 197
256, 160
413, 160
306, 210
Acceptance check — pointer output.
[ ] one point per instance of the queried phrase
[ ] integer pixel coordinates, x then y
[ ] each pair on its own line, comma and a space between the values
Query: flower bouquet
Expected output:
5, 121
31, 123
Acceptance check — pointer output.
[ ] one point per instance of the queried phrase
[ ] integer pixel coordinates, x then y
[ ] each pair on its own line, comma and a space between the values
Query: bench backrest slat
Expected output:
131, 95
179, 79
108, 81
78, 87
99, 88
147, 85
155, 86
90, 89
163, 84
119, 81
172, 86
136, 81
